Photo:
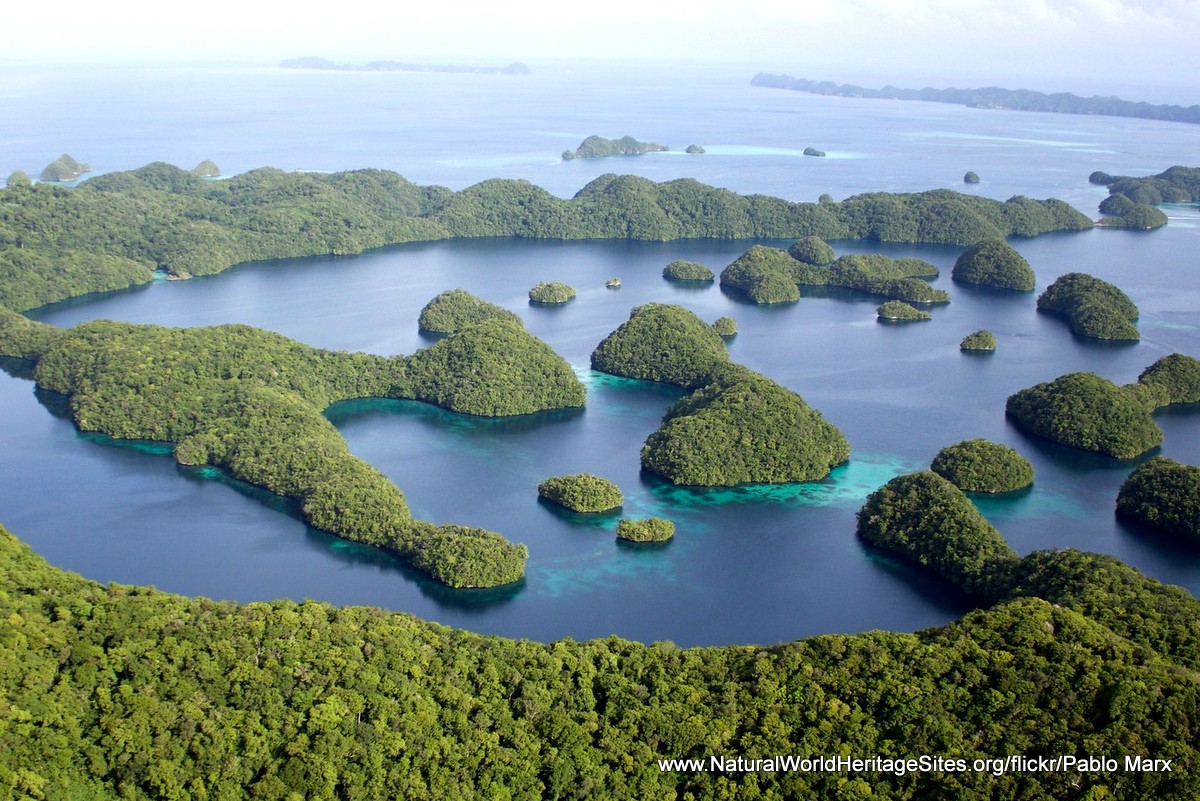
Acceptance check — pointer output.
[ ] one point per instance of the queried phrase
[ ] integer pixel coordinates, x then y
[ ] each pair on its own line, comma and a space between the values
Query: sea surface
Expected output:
748, 564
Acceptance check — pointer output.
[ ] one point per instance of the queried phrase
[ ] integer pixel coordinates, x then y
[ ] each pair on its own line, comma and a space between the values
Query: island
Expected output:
725, 327
994, 263
93, 237
897, 311
735, 426
980, 465
812, 151
1163, 494
970, 177
1091, 307
458, 308
812, 250
929, 520
598, 147
249, 402
681, 270
64, 169
1175, 184
694, 150
1085, 411
992, 97
551, 293
207, 169
19, 178
981, 341
582, 492
648, 529
317, 63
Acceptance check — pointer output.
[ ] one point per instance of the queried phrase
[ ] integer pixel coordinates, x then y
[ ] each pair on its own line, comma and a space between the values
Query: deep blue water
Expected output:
753, 564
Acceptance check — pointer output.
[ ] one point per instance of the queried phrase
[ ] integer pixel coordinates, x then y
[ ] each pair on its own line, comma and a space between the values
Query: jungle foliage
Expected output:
551, 292
456, 308
980, 465
646, 529
682, 270
994, 263
982, 340
899, 311
1092, 307
1165, 494
582, 492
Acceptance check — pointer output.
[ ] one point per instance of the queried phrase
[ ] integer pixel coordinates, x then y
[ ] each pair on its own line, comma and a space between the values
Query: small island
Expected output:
680, 270
970, 178
648, 529
19, 178
994, 263
1176, 377
598, 147
726, 327
582, 492
64, 169
812, 151
551, 293
981, 341
927, 519
899, 311
694, 150
980, 465
613, 283
206, 169
457, 308
1092, 307
1165, 494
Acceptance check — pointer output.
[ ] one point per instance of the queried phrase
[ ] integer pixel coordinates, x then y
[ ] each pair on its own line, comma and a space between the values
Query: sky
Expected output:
1081, 45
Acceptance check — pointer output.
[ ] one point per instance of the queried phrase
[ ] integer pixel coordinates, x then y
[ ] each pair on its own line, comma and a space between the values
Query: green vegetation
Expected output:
742, 428
1085, 411
896, 310
876, 274
1093, 308
994, 263
1165, 494
664, 343
970, 178
551, 292
680, 270
764, 275
725, 327
980, 465
694, 150
249, 402
172, 697
207, 169
1177, 375
64, 168
598, 147
457, 308
19, 178
613, 283
1140, 216
927, 519
981, 340
115, 230
812, 151
992, 97
736, 427
582, 492
649, 529
811, 250
1173, 185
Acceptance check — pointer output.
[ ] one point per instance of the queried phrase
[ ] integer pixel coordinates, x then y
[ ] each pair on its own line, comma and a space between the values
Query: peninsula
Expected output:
991, 97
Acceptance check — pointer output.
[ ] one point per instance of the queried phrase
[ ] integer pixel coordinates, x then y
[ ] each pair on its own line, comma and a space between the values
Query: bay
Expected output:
750, 564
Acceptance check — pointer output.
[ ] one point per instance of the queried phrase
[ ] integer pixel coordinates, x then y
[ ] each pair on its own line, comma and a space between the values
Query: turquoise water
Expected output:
748, 564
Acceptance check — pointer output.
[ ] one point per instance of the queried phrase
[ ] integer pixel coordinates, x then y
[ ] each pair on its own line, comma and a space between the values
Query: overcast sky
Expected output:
1065, 44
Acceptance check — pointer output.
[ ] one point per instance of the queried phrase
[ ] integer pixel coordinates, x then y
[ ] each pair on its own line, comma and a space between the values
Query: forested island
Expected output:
994, 263
114, 231
736, 426
249, 402
1091, 307
992, 97
1164, 494
317, 63
598, 147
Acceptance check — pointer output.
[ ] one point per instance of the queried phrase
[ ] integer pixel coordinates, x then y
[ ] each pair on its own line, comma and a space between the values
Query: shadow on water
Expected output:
1170, 544
56, 403
920, 580
606, 519
347, 412
644, 547
17, 368
1076, 460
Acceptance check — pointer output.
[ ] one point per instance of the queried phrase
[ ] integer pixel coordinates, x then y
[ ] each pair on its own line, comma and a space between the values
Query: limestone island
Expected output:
1092, 307
994, 263
726, 327
982, 341
1131, 200
63, 169
898, 311
649, 529
19, 178
1121, 212
694, 150
1165, 494
970, 178
206, 169
582, 492
680, 270
598, 147
812, 151
551, 292
458, 308
980, 465
613, 283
